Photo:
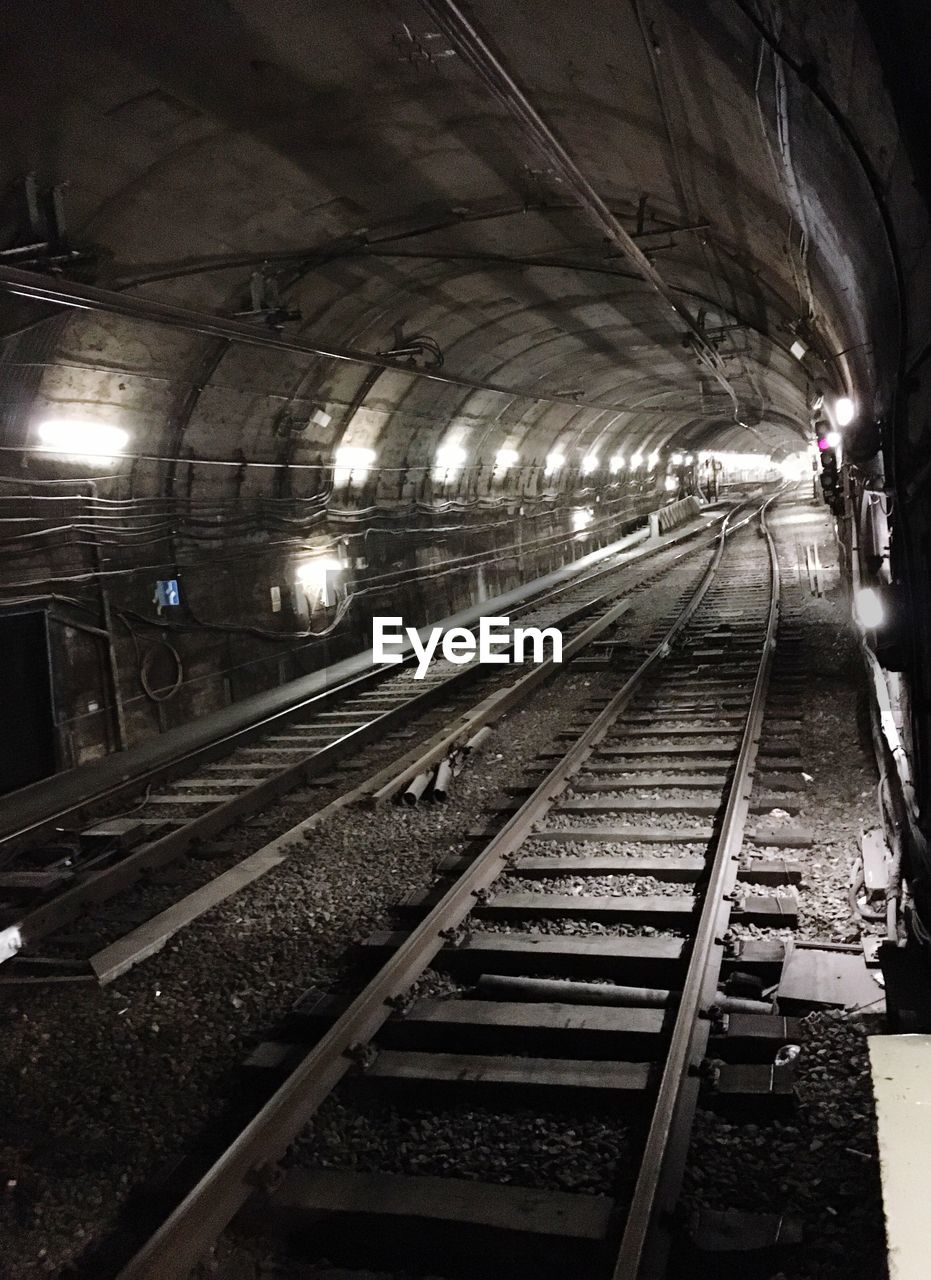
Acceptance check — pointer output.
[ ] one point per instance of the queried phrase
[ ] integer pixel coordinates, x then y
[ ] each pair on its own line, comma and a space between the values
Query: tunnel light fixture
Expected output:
554, 461
448, 461
798, 349
312, 576
677, 459
636, 461
315, 570
582, 518
616, 463
82, 438
868, 608
689, 459
844, 410
653, 459
589, 464
506, 458
352, 463
671, 483
830, 440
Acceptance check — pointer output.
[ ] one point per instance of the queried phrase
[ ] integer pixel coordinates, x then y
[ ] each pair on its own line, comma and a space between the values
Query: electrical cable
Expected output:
145, 666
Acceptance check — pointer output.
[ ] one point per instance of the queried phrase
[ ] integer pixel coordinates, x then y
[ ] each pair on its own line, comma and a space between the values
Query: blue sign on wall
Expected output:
167, 592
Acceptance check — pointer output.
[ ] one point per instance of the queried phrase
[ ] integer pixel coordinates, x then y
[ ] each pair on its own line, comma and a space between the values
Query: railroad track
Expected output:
587, 955
48, 879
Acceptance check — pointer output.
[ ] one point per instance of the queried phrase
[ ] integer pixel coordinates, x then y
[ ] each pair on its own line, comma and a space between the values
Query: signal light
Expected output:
829, 478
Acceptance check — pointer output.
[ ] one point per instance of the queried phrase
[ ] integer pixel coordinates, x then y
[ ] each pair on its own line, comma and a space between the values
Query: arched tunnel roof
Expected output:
352, 156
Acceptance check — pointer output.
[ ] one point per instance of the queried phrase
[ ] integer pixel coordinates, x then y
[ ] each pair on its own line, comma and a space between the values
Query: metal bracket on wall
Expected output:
45, 245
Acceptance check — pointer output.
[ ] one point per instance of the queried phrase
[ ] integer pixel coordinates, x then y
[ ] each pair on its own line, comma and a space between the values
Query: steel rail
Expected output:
194, 1225
647, 1236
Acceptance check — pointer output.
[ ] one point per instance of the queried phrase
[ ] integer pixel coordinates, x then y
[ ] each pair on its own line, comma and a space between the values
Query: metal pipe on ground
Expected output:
417, 788
478, 739
443, 780
566, 991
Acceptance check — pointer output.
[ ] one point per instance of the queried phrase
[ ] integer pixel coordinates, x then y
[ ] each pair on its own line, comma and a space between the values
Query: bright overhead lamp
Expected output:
352, 455
449, 458
677, 459
832, 439
671, 483
653, 459
505, 458
798, 349
589, 464
636, 461
689, 459
82, 438
553, 462
616, 463
844, 410
582, 518
351, 462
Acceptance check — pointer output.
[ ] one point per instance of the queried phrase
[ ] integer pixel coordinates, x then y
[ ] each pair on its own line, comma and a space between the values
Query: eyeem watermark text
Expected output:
495, 642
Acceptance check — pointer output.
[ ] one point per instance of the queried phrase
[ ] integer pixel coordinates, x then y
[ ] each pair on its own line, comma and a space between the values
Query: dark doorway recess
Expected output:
27, 737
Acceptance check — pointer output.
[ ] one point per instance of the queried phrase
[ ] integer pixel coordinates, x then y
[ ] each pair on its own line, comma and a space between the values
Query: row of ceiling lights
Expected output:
81, 438
85, 438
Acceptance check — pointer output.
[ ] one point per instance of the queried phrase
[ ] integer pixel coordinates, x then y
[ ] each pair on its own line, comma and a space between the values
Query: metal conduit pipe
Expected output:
478, 739
417, 788
443, 780
565, 991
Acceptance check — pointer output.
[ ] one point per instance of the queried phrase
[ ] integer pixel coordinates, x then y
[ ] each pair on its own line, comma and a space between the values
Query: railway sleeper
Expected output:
683, 869
639, 961
749, 1090
429, 1223
624, 835
546, 1028
549, 1029
667, 804
672, 910
500, 1075
720, 1243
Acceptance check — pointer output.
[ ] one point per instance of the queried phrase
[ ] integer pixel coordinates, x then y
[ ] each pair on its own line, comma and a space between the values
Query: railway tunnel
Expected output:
465, 788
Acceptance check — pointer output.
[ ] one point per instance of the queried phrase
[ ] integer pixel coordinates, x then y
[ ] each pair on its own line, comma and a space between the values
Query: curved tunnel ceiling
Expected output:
350, 154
